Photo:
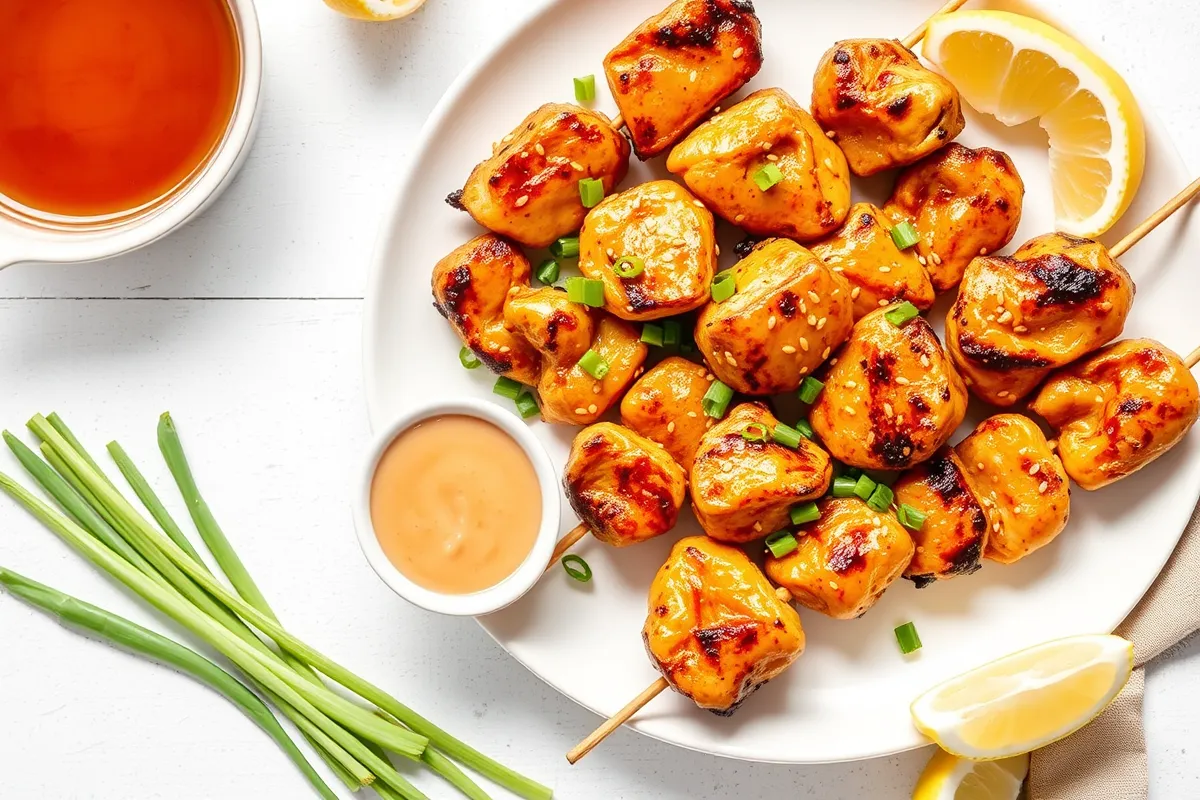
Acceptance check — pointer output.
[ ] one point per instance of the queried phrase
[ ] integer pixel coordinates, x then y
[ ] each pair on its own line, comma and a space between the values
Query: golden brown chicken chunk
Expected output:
845, 560
668, 233
715, 628
1118, 410
954, 534
624, 487
720, 160
790, 311
1020, 483
884, 108
743, 490
529, 188
963, 203
1018, 318
666, 406
674, 67
879, 272
891, 395
560, 330
570, 394
470, 287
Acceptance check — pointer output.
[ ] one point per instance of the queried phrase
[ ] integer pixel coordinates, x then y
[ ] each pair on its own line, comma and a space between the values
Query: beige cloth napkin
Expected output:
1107, 759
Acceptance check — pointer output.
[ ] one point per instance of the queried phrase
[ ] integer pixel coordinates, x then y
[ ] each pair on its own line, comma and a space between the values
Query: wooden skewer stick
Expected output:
566, 543
919, 34
1154, 220
618, 122
616, 720
1192, 358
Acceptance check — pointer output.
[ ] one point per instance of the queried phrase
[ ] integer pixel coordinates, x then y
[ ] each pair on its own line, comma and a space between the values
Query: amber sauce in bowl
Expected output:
108, 105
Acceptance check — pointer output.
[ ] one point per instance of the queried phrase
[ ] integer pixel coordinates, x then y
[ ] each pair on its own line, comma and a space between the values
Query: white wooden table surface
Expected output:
246, 326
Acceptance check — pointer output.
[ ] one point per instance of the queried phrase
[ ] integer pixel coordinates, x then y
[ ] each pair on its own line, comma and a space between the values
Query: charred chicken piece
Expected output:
1018, 318
674, 67
880, 273
716, 629
891, 395
846, 559
1019, 482
955, 532
528, 189
560, 330
963, 203
569, 394
1118, 410
470, 287
669, 232
884, 108
789, 312
666, 406
743, 490
624, 487
720, 159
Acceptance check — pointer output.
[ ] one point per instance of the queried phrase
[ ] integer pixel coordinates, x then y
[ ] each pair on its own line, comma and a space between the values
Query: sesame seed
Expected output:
924, 360
1099, 398
885, 269
581, 411
727, 466
825, 354
920, 548
758, 527
729, 357
1035, 469
937, 260
828, 164
996, 526
883, 303
849, 411
812, 319
1005, 317
739, 218
787, 348
1042, 487
592, 408
595, 388
772, 157
771, 322
833, 584
804, 344
691, 414
851, 384
835, 292
1020, 329
710, 378
979, 466
717, 110
522, 200
803, 307
524, 154
901, 380
629, 309
708, 424
921, 260
766, 145
507, 138
831, 134
716, 249
738, 53
855, 292
821, 323
1105, 306
670, 427
804, 370
876, 521
575, 165
832, 361
1002, 394
504, 348
692, 76
983, 251
1053, 444
887, 409
611, 253
816, 298
698, 204
541, 151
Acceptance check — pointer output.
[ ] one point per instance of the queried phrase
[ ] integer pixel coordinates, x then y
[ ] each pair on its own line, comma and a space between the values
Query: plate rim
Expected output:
373, 303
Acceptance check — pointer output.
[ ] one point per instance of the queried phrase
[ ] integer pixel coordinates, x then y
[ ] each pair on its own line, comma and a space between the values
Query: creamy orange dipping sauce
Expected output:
456, 505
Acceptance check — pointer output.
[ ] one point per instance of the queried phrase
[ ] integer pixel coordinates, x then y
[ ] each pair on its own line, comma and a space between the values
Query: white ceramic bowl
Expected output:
27, 235
526, 575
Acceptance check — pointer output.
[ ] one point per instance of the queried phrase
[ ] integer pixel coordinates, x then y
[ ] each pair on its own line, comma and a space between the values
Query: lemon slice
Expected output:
948, 777
375, 10
1027, 700
1017, 68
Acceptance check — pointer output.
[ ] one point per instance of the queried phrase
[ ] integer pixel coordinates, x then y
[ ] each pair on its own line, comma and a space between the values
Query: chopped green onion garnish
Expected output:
565, 247
652, 334
901, 314
787, 436
577, 568
547, 273
844, 485
585, 89
907, 638
593, 364
810, 390
527, 405
672, 332
768, 176
805, 513
716, 400
629, 267
905, 235
723, 286
881, 498
588, 291
467, 357
806, 430
507, 387
755, 432
781, 543
864, 487
591, 191
909, 517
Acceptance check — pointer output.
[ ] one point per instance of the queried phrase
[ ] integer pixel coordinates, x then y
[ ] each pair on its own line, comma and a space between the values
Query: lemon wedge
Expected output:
1017, 69
948, 777
1027, 700
375, 10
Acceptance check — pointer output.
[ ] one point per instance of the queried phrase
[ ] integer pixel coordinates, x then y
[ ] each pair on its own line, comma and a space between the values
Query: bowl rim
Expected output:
525, 576
22, 241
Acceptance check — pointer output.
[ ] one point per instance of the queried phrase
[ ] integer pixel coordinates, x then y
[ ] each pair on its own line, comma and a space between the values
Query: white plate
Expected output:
847, 697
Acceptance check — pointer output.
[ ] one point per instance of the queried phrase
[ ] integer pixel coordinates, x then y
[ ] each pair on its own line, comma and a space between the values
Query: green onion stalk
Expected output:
167, 572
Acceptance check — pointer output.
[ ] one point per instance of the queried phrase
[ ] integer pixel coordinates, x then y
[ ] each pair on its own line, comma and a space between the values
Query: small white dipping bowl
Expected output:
29, 235
526, 575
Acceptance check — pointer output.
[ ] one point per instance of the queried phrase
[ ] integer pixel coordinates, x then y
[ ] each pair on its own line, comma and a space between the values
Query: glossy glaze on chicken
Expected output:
954, 534
666, 405
675, 67
570, 394
715, 627
883, 108
719, 159
1118, 410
